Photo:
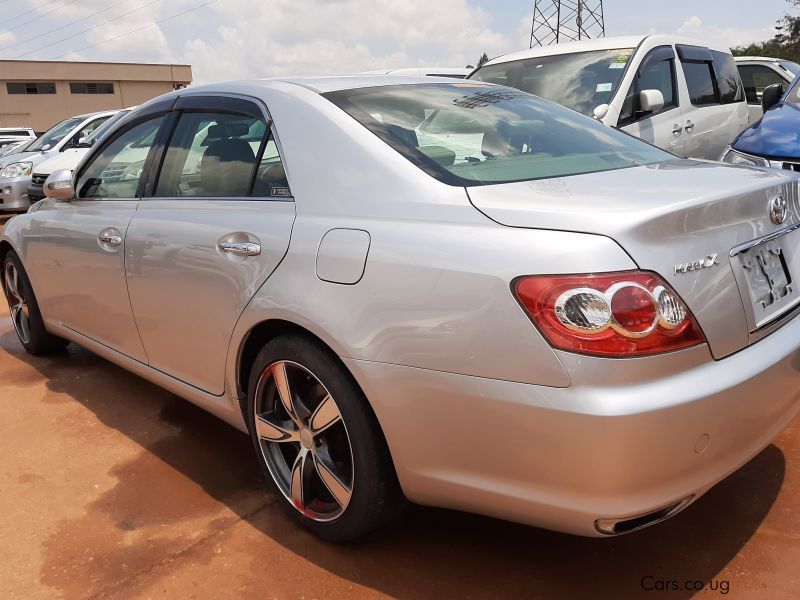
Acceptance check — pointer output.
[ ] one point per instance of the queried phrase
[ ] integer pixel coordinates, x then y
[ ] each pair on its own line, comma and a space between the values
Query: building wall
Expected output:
133, 84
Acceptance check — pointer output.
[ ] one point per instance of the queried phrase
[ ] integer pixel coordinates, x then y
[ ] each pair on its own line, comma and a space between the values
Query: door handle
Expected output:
113, 240
240, 248
689, 126
676, 129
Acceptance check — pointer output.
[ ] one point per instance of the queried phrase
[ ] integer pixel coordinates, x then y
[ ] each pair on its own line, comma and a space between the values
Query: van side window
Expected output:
756, 79
657, 72
701, 75
728, 80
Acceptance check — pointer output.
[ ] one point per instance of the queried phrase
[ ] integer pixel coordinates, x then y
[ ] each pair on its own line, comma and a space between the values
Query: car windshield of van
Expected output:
55, 134
790, 66
793, 95
580, 81
477, 134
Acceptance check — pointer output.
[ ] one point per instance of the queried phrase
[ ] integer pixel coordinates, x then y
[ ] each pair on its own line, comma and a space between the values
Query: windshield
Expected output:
101, 130
580, 81
793, 95
55, 135
476, 134
790, 66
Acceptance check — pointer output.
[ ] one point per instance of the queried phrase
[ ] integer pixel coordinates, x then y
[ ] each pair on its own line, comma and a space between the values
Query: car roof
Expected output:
607, 43
321, 85
758, 58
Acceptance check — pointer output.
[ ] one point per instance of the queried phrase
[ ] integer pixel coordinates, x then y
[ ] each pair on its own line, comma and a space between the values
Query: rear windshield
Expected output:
580, 81
793, 95
470, 134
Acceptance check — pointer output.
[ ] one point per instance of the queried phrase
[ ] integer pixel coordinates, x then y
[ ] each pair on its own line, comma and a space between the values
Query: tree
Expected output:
485, 58
785, 43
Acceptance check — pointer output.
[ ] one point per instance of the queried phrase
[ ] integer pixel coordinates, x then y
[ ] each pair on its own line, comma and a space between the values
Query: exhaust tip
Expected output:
628, 524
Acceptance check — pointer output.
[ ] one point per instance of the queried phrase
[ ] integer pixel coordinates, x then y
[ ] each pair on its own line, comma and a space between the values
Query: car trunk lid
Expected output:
681, 219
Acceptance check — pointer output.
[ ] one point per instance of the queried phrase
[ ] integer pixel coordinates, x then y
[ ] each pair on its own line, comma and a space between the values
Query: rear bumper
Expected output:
606, 448
14, 194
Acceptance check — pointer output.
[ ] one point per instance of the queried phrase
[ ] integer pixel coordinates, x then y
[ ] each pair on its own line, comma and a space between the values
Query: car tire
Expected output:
24, 309
304, 412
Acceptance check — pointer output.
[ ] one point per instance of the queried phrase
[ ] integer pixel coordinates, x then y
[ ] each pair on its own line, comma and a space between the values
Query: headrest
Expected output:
227, 130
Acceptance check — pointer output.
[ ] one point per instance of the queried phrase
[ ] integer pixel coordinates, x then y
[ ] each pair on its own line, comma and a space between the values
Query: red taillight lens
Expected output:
629, 313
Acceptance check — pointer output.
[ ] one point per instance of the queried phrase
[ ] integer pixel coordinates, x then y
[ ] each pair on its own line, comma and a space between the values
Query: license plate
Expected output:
769, 281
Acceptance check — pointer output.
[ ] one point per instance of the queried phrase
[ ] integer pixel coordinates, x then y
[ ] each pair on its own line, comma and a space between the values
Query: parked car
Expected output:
450, 72
14, 147
758, 73
69, 158
521, 328
15, 171
15, 134
773, 141
680, 94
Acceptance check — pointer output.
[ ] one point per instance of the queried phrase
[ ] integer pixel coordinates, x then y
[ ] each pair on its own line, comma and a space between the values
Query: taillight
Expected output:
629, 313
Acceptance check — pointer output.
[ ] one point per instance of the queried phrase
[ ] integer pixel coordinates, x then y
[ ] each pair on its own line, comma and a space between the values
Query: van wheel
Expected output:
24, 310
318, 441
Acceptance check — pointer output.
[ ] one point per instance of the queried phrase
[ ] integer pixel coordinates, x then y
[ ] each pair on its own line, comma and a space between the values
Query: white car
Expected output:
680, 94
760, 72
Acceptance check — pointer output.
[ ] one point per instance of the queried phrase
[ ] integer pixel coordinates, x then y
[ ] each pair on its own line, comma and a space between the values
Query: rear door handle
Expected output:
689, 126
240, 248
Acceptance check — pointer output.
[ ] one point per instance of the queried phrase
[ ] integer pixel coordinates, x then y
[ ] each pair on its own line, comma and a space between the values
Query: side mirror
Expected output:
771, 96
601, 111
46, 147
58, 186
651, 101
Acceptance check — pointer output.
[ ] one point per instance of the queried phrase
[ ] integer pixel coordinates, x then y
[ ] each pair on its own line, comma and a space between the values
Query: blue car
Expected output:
773, 141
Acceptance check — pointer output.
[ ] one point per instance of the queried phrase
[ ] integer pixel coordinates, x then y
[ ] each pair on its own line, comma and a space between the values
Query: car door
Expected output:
662, 128
708, 123
213, 227
79, 257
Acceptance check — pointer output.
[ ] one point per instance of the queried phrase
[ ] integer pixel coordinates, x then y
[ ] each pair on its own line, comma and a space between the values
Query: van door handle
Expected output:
689, 126
240, 248
676, 129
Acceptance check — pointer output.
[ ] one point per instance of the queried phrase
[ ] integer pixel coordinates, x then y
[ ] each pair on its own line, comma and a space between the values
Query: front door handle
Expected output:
689, 126
240, 248
676, 129
111, 239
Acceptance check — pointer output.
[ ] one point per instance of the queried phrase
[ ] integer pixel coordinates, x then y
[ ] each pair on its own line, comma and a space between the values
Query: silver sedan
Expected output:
453, 293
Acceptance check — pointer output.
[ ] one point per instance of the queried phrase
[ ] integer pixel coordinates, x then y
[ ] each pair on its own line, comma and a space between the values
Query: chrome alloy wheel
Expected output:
304, 441
17, 303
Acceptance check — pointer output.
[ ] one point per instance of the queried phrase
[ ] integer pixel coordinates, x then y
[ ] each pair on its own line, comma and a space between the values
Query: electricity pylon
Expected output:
557, 21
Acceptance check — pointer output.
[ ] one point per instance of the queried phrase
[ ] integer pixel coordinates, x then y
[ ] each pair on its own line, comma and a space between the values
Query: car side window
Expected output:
212, 155
700, 82
756, 79
115, 171
657, 72
727, 77
271, 179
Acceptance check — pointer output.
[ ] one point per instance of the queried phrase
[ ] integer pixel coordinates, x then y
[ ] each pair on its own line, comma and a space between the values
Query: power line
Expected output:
34, 9
153, 24
41, 16
88, 29
75, 22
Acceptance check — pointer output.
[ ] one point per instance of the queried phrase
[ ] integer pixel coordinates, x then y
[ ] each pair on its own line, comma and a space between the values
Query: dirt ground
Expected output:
113, 488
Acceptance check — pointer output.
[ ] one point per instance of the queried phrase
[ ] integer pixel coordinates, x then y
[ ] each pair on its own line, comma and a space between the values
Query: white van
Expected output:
680, 94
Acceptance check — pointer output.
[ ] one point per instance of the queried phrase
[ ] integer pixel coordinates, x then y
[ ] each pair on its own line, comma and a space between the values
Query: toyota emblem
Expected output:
777, 210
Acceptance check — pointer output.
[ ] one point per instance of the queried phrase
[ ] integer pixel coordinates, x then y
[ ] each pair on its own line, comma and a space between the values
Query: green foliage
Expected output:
485, 58
785, 43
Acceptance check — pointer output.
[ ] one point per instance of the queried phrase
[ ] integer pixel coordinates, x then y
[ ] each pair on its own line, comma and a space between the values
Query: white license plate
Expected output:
772, 289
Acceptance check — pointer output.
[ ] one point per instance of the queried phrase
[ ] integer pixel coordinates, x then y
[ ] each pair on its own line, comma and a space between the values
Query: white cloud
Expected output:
724, 36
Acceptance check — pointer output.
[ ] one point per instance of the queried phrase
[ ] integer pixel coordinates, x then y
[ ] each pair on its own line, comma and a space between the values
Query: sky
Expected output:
234, 39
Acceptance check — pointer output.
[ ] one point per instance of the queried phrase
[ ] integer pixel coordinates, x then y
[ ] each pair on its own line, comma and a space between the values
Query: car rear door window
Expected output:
115, 171
727, 77
213, 155
698, 69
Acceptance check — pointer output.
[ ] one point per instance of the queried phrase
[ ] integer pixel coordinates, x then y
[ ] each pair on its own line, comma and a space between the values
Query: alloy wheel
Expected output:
17, 304
304, 441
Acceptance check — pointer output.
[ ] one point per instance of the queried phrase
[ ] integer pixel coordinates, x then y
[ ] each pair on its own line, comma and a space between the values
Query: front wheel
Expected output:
319, 442
24, 310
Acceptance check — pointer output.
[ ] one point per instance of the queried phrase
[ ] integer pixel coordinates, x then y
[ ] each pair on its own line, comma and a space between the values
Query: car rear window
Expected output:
471, 134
